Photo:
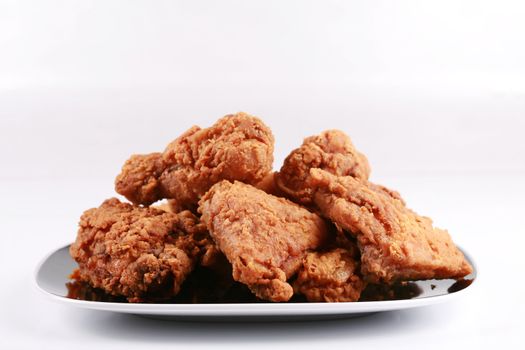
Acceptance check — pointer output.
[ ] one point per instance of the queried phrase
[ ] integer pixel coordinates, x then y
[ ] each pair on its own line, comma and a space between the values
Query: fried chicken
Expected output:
331, 276
328, 174
332, 151
139, 180
236, 147
135, 251
333, 273
264, 237
395, 242
318, 230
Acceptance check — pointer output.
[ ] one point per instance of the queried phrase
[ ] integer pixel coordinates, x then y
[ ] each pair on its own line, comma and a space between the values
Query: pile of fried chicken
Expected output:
316, 228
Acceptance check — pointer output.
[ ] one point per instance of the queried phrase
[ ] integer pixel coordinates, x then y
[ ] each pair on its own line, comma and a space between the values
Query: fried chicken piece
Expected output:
331, 276
137, 252
264, 237
139, 180
333, 151
236, 147
395, 242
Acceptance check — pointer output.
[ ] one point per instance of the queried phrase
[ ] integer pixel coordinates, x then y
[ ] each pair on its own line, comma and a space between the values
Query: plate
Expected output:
52, 274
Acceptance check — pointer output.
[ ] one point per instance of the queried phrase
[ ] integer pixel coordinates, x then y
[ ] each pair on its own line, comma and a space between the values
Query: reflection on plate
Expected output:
198, 301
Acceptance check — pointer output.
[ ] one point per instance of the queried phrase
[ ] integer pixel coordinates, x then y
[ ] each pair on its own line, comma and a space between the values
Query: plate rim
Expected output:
253, 309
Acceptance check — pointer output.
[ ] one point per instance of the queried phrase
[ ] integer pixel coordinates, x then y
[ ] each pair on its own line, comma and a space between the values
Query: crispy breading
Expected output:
331, 276
236, 147
333, 151
318, 230
395, 242
135, 251
264, 237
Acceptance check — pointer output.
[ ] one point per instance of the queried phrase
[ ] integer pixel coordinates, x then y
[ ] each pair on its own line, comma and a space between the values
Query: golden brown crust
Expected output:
139, 179
135, 251
331, 276
333, 151
264, 237
236, 147
261, 240
395, 243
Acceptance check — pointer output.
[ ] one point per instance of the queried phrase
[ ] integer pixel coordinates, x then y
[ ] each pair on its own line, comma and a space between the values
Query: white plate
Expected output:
52, 275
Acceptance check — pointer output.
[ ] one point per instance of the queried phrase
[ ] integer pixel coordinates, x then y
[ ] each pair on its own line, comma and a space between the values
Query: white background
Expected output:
432, 91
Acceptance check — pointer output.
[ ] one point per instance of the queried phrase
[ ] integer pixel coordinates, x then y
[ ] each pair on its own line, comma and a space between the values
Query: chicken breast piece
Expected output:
264, 237
236, 147
135, 251
395, 242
